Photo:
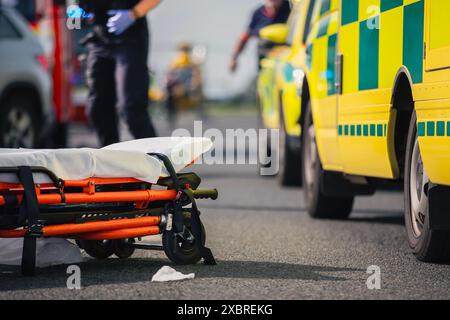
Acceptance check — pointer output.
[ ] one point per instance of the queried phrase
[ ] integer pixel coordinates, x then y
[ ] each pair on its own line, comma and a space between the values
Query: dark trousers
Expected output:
118, 80
170, 105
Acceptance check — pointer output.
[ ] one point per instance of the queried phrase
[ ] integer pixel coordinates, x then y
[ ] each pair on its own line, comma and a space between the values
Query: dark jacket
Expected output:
137, 32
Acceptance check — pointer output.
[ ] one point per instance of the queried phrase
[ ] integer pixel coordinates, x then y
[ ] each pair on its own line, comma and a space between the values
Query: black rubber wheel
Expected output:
290, 170
19, 123
102, 249
29, 256
122, 249
178, 250
318, 204
427, 245
264, 163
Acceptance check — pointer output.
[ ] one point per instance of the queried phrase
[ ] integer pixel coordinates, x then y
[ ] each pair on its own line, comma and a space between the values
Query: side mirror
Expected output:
275, 33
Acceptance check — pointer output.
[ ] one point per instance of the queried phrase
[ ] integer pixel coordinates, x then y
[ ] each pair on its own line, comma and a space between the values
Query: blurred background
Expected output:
214, 25
36, 40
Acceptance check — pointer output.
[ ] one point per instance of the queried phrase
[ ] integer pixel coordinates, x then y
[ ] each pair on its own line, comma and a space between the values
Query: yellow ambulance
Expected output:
375, 109
278, 97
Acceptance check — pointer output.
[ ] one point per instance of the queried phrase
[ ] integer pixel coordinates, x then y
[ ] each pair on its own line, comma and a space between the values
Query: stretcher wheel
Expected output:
122, 248
180, 251
99, 249
29, 256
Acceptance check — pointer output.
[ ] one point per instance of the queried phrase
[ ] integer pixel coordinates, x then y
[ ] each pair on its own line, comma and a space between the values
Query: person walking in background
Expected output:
272, 12
117, 72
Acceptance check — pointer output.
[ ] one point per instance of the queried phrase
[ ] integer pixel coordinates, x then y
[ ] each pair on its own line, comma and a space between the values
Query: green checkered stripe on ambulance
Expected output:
377, 37
363, 130
324, 37
433, 128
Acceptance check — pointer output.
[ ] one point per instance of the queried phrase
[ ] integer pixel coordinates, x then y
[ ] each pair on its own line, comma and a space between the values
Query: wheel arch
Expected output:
305, 97
402, 102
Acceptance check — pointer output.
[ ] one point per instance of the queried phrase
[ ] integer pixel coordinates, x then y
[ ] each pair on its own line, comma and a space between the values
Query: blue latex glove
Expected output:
119, 21
75, 11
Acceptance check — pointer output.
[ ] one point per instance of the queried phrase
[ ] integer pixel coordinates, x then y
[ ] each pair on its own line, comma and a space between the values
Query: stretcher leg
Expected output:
29, 256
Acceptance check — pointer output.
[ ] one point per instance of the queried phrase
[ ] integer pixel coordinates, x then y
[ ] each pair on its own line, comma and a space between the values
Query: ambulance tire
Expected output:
180, 251
98, 249
318, 204
428, 245
265, 162
289, 173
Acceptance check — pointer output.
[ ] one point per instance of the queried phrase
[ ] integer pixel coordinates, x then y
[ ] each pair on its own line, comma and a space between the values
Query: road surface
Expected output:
266, 246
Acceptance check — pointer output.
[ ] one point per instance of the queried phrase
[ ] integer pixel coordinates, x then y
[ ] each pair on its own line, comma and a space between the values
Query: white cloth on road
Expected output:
167, 273
49, 252
120, 160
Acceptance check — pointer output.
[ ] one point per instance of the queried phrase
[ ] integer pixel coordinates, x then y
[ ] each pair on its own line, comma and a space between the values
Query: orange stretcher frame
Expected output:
88, 229
95, 209
97, 230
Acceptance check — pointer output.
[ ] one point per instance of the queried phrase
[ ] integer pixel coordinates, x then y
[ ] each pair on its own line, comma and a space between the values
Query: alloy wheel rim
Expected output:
418, 190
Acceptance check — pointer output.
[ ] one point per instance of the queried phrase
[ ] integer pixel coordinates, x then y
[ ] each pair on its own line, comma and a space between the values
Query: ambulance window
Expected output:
7, 30
293, 23
325, 7
308, 20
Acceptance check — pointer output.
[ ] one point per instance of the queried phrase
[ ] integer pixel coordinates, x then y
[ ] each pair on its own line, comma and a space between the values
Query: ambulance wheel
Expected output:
123, 249
98, 249
179, 250
290, 163
427, 245
318, 204
265, 161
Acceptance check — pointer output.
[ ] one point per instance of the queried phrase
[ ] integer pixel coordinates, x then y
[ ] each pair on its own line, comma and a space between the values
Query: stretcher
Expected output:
106, 199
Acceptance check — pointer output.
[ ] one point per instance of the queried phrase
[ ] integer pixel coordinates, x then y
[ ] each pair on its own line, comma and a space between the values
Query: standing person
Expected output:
183, 83
117, 72
272, 12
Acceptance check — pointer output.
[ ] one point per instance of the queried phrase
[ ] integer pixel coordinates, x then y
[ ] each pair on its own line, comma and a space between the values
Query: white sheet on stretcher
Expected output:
125, 159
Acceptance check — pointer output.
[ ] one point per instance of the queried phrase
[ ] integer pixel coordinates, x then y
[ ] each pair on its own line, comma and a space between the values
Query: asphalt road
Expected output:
266, 246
